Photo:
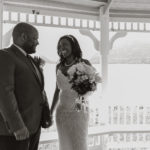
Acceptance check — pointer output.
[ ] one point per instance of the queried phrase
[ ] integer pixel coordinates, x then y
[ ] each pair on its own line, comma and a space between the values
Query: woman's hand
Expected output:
51, 120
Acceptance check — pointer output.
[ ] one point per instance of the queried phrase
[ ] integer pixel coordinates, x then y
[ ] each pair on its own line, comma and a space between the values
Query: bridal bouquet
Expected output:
83, 79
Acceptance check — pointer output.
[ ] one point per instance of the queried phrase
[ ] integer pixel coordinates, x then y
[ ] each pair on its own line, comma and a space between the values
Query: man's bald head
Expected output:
22, 28
25, 36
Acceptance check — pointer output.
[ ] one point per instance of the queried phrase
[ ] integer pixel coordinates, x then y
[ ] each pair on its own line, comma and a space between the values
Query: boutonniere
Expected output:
39, 62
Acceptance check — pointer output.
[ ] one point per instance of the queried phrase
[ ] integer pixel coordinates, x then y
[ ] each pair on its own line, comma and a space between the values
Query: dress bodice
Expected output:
67, 96
62, 81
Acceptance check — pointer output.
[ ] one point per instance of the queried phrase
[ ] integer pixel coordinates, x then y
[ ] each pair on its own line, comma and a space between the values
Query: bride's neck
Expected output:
69, 60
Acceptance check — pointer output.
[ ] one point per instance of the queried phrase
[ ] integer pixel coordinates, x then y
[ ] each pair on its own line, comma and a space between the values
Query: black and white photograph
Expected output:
74, 74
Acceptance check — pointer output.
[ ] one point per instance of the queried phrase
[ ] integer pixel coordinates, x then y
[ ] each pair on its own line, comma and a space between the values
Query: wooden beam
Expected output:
119, 10
104, 47
107, 6
1, 23
131, 5
64, 11
89, 34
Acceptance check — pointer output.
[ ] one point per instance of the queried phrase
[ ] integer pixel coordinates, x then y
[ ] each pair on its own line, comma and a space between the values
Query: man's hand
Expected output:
21, 134
47, 123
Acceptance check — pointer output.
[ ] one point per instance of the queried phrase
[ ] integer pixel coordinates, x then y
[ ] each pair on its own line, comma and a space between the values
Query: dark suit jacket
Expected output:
21, 91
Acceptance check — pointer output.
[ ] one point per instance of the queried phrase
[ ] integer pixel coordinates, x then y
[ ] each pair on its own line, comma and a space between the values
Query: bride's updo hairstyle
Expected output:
76, 50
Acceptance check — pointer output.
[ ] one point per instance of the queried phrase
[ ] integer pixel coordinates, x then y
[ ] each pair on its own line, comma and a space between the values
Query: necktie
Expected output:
35, 68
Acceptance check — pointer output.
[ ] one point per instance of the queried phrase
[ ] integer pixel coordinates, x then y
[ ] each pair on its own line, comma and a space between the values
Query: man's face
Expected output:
31, 42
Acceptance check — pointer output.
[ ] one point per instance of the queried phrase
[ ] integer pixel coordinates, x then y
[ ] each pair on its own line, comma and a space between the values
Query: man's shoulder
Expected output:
8, 50
4, 51
5, 54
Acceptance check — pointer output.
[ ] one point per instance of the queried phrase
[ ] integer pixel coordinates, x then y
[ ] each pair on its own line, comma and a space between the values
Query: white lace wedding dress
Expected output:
72, 126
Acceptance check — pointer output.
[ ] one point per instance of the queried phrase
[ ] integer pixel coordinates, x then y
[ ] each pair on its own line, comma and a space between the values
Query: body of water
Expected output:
128, 84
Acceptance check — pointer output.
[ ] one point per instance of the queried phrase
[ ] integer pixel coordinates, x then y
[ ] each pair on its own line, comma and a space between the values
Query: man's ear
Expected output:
23, 37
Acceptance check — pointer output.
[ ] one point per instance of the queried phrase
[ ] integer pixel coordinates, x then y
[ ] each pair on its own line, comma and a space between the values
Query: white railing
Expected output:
127, 127
129, 115
49, 140
108, 138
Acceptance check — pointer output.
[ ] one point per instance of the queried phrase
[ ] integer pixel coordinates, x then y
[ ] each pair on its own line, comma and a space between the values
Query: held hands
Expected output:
48, 122
21, 134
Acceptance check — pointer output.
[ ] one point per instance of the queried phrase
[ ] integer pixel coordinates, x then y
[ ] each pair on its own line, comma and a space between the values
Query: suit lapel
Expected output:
21, 56
40, 71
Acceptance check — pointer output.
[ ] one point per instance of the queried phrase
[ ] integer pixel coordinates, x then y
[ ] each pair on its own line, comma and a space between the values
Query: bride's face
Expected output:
65, 48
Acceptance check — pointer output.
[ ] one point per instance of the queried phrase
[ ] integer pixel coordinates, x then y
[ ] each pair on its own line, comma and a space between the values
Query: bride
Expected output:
72, 125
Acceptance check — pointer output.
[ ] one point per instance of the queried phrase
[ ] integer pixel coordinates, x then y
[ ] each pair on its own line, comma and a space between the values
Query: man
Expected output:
22, 98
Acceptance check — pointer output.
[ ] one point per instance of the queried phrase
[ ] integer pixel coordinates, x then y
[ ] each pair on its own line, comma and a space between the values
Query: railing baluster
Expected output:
27, 17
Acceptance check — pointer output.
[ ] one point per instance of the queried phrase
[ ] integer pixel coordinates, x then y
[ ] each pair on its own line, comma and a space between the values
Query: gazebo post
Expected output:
1, 23
104, 46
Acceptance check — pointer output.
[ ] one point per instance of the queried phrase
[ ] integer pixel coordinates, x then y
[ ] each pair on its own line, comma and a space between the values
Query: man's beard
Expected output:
29, 49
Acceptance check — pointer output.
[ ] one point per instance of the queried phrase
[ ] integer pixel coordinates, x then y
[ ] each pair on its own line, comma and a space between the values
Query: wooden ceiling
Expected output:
120, 10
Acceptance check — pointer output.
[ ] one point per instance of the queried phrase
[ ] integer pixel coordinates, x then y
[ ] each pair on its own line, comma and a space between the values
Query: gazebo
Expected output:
103, 15
119, 16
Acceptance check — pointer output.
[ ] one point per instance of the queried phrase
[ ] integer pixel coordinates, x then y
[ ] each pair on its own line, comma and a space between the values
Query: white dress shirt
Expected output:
19, 48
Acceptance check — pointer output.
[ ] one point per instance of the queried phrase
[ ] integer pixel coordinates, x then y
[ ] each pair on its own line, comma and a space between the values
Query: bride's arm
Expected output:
56, 95
55, 100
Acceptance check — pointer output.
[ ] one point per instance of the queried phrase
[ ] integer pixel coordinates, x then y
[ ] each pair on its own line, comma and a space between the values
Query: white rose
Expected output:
81, 67
72, 70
